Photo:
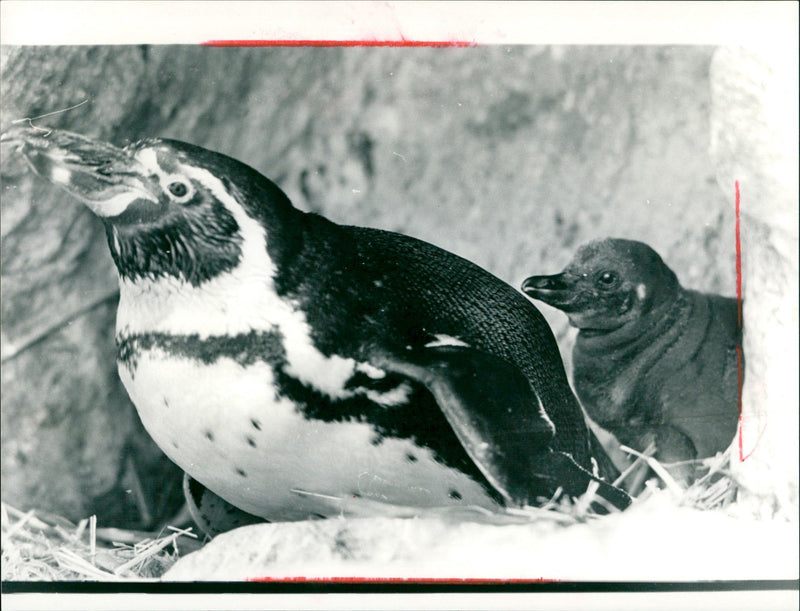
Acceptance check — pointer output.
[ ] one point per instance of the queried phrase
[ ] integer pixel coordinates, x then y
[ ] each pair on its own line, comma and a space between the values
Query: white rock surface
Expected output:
653, 541
754, 126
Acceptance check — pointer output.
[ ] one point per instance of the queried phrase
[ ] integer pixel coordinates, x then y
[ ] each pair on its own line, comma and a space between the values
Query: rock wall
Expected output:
509, 156
754, 141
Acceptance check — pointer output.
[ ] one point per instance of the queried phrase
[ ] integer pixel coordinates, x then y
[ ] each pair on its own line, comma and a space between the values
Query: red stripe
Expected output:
742, 457
338, 43
755, 445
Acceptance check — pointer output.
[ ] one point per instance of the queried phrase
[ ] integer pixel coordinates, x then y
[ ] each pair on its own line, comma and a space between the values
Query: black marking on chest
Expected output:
419, 420
360, 380
244, 348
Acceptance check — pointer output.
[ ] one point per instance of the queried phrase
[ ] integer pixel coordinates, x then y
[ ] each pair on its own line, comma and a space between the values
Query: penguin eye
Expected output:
179, 189
607, 279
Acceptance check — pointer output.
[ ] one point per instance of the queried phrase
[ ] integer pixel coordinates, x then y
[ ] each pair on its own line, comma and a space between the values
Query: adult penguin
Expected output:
299, 368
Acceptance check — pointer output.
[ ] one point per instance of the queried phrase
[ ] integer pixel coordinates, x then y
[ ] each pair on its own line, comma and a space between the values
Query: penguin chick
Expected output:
297, 368
652, 361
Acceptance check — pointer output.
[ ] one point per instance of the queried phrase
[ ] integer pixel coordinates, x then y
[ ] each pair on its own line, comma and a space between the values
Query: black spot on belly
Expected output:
454, 494
209, 435
411, 458
174, 444
166, 403
241, 472
256, 424
251, 442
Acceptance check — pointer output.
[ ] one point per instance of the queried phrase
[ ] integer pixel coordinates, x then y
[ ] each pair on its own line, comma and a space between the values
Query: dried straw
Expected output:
40, 546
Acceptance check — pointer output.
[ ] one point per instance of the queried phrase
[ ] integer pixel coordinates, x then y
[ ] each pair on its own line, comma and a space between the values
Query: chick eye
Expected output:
607, 279
178, 189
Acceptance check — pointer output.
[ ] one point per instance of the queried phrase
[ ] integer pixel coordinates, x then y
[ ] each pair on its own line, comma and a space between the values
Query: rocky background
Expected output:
508, 156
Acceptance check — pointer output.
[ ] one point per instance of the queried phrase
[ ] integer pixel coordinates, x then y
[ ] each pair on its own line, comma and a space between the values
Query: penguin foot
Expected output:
213, 514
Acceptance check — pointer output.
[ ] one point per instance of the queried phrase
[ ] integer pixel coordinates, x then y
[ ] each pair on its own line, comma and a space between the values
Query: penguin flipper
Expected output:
491, 407
606, 468
575, 480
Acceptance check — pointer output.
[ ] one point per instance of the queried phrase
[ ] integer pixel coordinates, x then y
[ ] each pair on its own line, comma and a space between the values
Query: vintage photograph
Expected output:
398, 313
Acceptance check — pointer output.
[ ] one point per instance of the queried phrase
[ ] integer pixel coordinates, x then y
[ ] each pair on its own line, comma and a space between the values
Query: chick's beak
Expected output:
557, 290
105, 178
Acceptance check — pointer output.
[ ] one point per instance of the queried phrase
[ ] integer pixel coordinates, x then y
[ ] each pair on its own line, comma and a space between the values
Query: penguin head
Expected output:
169, 208
607, 284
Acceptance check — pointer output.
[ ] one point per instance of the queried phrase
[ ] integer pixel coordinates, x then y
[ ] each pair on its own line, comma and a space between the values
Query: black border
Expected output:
378, 586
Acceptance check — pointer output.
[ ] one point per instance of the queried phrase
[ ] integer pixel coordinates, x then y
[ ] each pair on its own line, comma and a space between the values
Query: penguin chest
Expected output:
226, 423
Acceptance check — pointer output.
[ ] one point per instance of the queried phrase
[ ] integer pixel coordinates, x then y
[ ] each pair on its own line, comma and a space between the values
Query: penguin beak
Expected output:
557, 290
105, 178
